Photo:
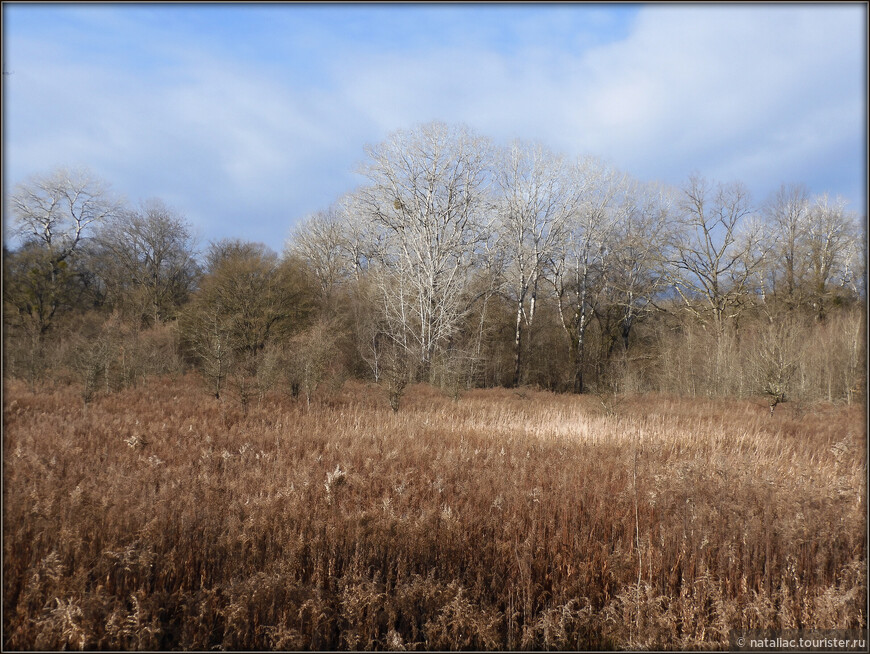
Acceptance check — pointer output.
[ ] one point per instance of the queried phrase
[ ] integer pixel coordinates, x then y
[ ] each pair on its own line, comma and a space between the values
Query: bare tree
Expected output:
535, 205
855, 262
579, 264
397, 369
486, 285
362, 240
148, 253
775, 360
831, 236
427, 200
786, 214
94, 350
55, 210
712, 271
51, 214
209, 336
320, 240
636, 261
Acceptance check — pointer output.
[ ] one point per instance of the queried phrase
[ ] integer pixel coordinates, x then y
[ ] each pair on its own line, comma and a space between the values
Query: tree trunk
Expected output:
518, 345
578, 378
581, 338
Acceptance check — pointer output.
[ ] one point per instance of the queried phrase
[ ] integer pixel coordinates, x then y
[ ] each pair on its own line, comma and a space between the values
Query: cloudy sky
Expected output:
246, 118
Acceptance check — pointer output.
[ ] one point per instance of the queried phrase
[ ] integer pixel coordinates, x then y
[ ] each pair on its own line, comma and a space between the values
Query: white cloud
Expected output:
760, 94
727, 90
229, 146
708, 86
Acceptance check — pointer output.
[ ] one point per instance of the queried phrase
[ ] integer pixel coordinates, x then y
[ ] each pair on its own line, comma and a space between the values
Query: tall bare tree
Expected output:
831, 237
636, 262
536, 201
786, 214
427, 198
578, 268
710, 251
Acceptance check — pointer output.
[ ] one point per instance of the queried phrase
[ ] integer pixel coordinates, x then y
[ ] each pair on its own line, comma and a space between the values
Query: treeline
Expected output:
460, 263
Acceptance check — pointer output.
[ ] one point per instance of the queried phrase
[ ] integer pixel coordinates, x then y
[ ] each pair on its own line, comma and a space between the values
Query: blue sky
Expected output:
245, 118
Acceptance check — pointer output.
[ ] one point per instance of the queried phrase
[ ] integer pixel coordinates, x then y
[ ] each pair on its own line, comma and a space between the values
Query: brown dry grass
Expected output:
160, 518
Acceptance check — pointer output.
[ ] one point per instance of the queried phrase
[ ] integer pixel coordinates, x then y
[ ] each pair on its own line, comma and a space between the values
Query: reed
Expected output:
161, 518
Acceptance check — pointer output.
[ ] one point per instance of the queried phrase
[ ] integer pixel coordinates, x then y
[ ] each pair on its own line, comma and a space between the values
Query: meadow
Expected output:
158, 517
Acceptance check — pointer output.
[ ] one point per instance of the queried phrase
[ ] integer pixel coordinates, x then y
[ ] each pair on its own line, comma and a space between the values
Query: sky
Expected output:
246, 118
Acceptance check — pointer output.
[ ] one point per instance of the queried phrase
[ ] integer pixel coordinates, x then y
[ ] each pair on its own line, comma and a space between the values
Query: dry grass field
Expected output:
161, 518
